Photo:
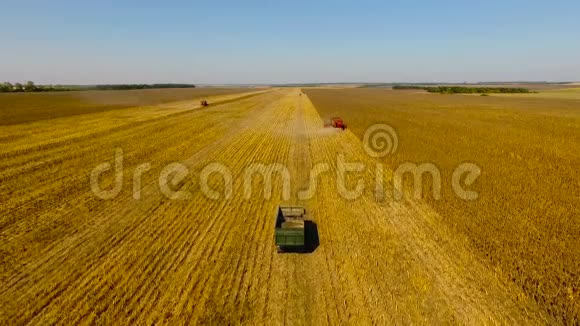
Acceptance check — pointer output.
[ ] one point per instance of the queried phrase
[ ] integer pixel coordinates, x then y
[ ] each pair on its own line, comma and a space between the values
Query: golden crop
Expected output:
525, 221
71, 257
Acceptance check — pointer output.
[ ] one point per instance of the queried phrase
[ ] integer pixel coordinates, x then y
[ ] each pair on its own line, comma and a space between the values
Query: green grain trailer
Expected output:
289, 231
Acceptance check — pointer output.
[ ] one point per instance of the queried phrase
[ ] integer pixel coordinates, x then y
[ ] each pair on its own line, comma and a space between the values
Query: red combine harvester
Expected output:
336, 122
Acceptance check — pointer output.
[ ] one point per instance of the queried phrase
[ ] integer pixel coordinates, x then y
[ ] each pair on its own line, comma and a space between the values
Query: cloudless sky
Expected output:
86, 42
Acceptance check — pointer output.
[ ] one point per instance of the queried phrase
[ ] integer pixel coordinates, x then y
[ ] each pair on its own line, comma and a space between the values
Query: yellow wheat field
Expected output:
69, 257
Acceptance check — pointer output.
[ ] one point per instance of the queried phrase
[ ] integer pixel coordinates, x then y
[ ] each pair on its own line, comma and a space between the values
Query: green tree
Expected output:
6, 87
30, 86
18, 87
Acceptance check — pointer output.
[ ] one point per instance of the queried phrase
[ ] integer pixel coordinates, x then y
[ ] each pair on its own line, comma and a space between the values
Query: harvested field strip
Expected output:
25, 108
135, 231
48, 134
41, 211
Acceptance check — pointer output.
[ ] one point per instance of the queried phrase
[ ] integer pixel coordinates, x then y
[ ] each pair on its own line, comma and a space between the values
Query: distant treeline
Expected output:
141, 86
464, 90
31, 87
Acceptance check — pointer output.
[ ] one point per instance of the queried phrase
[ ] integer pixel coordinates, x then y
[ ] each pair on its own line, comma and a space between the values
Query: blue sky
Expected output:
288, 41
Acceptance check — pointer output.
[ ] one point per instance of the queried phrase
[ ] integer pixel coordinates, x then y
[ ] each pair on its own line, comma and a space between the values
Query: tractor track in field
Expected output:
295, 266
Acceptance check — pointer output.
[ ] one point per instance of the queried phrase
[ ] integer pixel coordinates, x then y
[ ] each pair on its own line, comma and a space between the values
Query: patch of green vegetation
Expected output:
31, 87
464, 90
141, 86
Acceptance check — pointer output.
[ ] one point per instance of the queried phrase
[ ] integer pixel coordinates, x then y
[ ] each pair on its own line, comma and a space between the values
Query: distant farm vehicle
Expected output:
336, 122
203, 103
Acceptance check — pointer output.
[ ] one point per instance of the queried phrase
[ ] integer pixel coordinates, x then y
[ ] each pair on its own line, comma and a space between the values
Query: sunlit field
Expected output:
525, 221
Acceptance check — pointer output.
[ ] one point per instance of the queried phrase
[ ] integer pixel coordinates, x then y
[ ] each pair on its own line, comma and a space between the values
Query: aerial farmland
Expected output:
144, 251
289, 163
